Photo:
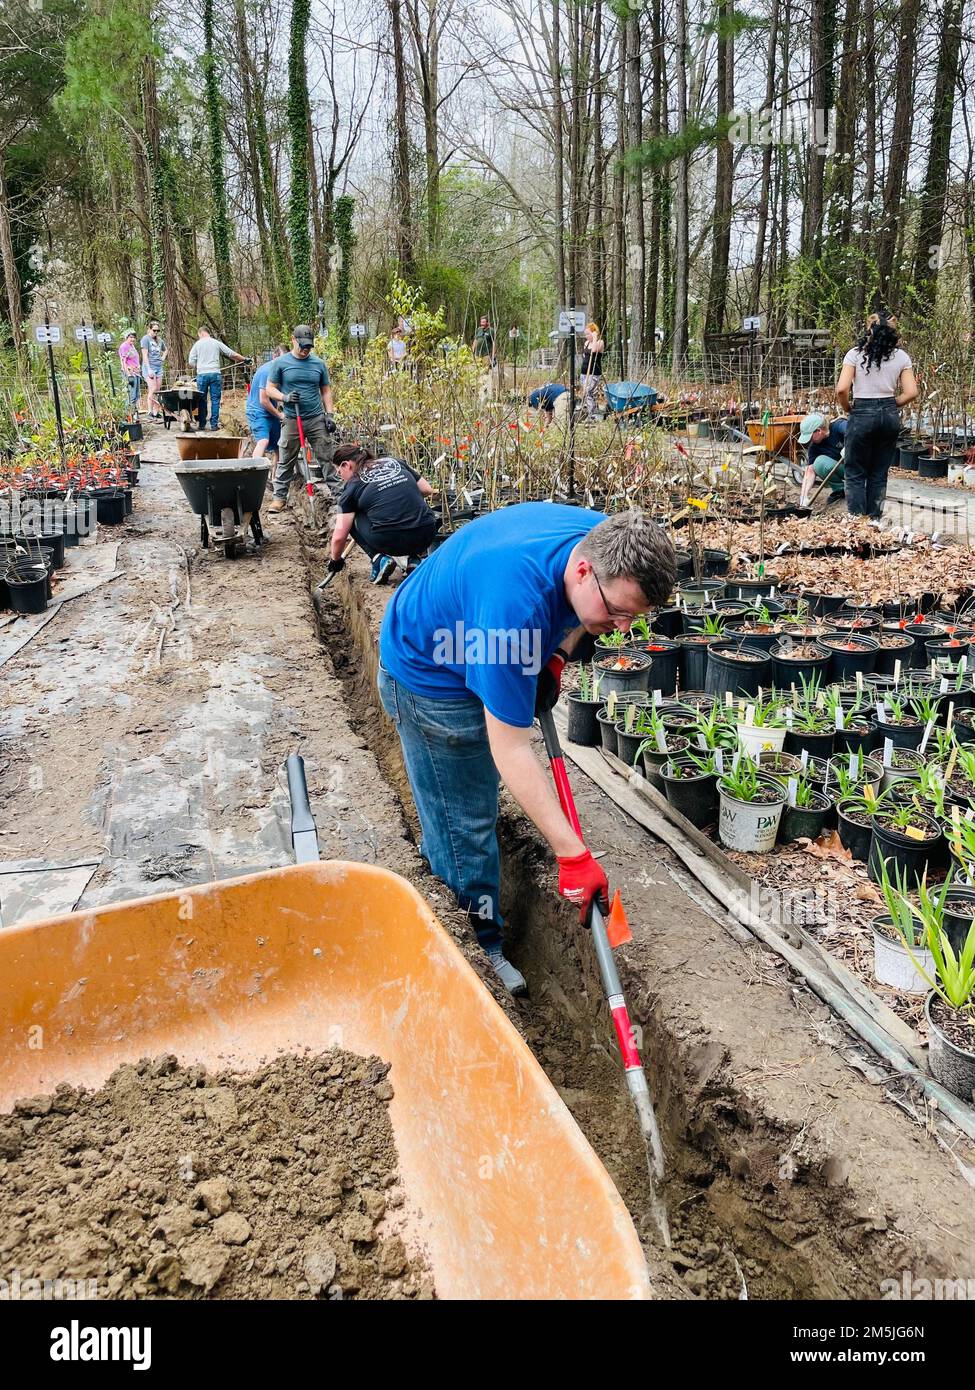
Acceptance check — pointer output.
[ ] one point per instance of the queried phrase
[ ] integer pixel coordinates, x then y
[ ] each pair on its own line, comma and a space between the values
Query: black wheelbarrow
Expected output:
175, 399
226, 495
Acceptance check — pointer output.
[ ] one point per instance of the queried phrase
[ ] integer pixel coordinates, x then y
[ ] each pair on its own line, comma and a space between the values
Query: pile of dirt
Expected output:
171, 1182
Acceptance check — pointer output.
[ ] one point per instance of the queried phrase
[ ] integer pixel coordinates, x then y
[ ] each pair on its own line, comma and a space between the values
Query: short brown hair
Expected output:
631, 545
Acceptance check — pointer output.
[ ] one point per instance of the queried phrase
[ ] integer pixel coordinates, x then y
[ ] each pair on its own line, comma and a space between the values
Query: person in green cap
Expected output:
824, 450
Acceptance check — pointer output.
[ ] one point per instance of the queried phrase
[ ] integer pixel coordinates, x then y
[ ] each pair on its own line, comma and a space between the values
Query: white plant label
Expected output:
662, 741
839, 719
719, 760
658, 695
888, 752
789, 715
853, 764
943, 687
793, 790
928, 729
881, 712
804, 758
749, 715
897, 672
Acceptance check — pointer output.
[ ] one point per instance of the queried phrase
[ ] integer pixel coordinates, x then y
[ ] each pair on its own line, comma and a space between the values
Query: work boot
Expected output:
278, 505
512, 979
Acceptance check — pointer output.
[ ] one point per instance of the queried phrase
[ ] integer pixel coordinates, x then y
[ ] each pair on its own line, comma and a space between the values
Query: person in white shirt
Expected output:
205, 357
880, 376
397, 350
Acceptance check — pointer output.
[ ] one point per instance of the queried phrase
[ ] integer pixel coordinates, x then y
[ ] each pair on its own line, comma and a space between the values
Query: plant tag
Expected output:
760, 695
662, 741
888, 752
727, 699
860, 682
658, 695
702, 742
868, 792
804, 758
749, 715
793, 790
789, 714
771, 592
719, 760
950, 767
881, 712
914, 832
943, 687
963, 663
736, 759
741, 711
611, 704
821, 700
928, 729
934, 666
951, 716
897, 672
838, 719
853, 764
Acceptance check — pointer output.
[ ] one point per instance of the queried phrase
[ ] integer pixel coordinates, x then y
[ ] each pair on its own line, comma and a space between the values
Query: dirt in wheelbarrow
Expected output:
171, 1182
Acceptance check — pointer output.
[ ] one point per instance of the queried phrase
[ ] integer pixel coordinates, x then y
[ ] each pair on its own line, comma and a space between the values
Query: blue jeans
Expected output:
212, 382
134, 384
871, 443
455, 787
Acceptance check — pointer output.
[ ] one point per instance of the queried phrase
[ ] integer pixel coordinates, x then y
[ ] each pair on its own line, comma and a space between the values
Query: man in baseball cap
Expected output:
824, 450
299, 382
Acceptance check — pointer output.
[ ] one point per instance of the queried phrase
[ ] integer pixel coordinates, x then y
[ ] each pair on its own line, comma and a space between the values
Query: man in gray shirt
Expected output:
299, 382
205, 356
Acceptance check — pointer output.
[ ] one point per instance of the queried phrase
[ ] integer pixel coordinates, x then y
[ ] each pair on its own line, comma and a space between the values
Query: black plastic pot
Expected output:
582, 726
666, 661
816, 745
127, 499
753, 590
949, 648
920, 634
843, 665
693, 660
607, 730
908, 453
959, 911
853, 836
887, 657
909, 856
132, 476
761, 641
707, 590
695, 797
789, 670
804, 822
950, 1064
724, 673
900, 735
930, 467
716, 563
627, 744
28, 594
110, 508
825, 605
132, 429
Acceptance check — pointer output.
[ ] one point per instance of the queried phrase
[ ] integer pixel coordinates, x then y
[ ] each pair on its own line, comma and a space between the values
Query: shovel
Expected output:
305, 453
636, 1080
332, 573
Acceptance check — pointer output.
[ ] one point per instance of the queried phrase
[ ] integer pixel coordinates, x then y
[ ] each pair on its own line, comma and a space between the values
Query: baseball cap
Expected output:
810, 424
303, 335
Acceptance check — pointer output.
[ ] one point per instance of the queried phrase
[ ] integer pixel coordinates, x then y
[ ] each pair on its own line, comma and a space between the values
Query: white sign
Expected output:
572, 319
84, 333
514, 332
357, 330
48, 332
104, 339
753, 324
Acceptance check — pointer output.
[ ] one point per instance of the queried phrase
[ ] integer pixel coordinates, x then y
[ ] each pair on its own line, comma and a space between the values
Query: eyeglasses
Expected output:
613, 613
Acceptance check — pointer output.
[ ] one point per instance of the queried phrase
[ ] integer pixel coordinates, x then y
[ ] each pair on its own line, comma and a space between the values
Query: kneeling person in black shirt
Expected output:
382, 507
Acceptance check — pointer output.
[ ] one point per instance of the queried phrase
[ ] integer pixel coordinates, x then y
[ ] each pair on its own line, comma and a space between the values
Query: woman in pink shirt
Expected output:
129, 357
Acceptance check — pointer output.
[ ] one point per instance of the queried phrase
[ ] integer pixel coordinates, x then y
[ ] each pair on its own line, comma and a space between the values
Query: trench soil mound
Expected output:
172, 1182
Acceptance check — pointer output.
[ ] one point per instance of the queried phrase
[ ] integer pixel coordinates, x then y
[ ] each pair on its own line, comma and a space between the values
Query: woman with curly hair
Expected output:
881, 378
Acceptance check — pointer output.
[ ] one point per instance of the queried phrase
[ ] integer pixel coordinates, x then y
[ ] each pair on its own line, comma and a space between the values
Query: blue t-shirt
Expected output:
485, 612
546, 395
307, 376
258, 382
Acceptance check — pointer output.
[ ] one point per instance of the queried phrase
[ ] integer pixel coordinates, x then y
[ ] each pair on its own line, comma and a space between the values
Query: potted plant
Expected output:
750, 808
797, 660
763, 728
658, 747
899, 764
693, 658
623, 671
849, 654
950, 1010
892, 647
903, 720
854, 820
900, 935
805, 812
737, 670
852, 772
695, 593
582, 706
690, 785
905, 835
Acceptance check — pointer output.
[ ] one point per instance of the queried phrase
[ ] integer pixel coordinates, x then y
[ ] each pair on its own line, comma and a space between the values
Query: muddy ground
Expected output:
158, 713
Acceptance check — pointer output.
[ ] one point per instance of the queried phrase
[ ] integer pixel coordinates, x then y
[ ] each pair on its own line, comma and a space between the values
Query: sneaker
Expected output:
512, 979
278, 505
382, 567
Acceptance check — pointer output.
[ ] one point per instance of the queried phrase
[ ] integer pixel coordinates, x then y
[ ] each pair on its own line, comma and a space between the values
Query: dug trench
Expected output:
793, 1169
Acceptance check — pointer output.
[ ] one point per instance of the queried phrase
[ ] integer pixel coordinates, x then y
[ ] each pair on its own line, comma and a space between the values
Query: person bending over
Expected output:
824, 448
383, 507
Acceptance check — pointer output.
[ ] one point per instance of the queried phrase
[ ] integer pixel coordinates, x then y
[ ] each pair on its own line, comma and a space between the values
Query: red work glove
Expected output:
549, 683
581, 880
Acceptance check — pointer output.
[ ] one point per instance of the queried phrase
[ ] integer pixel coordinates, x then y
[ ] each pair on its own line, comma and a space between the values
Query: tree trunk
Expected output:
765, 191
598, 174
253, 158
166, 288
219, 218
405, 245
656, 182
724, 174
637, 247
555, 75
681, 199
11, 279
617, 294
816, 158
319, 216
298, 201
869, 160
900, 141
848, 97
935, 191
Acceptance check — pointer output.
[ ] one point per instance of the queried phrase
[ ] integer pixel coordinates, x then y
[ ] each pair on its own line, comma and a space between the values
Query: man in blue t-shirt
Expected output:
263, 416
299, 382
472, 645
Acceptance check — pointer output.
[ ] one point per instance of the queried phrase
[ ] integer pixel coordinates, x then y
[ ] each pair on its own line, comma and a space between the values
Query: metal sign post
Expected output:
572, 320
751, 326
48, 334
514, 334
106, 341
84, 334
